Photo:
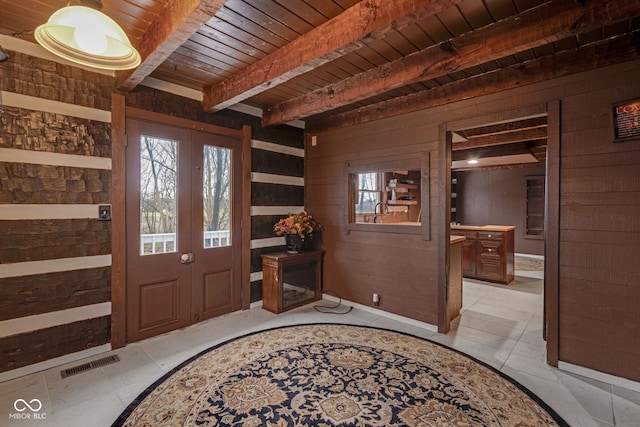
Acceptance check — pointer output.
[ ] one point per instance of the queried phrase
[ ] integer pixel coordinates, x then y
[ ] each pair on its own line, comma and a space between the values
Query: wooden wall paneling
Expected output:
276, 163
266, 194
46, 79
25, 349
118, 229
579, 348
44, 184
36, 240
42, 293
55, 133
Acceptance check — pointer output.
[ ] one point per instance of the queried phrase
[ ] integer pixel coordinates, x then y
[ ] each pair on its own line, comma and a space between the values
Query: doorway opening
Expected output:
497, 174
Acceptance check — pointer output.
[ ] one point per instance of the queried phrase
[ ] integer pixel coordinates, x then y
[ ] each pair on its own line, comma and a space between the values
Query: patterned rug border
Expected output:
136, 402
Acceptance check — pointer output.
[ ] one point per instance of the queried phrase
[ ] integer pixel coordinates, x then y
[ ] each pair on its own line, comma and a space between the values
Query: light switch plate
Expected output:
104, 212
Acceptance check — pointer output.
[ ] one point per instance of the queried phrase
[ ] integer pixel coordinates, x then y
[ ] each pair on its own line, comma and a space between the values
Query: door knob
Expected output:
187, 258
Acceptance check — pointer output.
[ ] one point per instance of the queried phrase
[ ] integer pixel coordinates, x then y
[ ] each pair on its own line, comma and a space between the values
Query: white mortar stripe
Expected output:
277, 148
36, 322
172, 88
34, 49
268, 178
267, 243
17, 100
254, 277
54, 265
15, 155
17, 212
275, 210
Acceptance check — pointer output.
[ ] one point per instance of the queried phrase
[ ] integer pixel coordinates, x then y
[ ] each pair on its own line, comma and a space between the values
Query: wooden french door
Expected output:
183, 213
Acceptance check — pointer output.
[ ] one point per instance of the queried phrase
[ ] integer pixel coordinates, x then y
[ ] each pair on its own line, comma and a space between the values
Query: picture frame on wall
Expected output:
626, 121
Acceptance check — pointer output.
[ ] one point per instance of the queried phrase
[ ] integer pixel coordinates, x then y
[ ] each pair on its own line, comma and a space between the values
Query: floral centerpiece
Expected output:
296, 228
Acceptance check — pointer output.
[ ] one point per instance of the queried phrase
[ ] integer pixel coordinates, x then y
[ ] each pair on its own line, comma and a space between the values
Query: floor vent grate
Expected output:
90, 365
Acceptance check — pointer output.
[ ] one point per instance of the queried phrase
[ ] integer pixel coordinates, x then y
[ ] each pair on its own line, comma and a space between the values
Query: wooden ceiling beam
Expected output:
360, 24
501, 139
595, 55
179, 20
537, 27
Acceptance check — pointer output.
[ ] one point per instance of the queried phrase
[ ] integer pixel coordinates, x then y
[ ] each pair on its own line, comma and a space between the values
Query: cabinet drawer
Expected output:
466, 233
490, 248
490, 235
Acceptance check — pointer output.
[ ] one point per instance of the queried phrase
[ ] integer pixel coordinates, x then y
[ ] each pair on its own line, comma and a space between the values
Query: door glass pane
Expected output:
158, 204
216, 196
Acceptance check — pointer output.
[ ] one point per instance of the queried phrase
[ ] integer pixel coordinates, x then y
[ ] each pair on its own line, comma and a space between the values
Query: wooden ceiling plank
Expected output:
345, 33
600, 54
179, 20
533, 28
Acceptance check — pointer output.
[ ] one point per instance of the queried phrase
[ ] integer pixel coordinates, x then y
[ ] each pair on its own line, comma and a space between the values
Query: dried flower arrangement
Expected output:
301, 224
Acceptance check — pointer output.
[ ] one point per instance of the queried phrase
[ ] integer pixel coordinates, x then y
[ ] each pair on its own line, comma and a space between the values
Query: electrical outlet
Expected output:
376, 299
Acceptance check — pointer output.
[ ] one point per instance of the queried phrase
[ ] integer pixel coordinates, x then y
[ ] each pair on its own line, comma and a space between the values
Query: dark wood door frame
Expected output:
552, 214
119, 113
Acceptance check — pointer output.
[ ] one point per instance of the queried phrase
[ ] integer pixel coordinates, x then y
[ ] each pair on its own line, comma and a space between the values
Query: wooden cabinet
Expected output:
290, 280
487, 252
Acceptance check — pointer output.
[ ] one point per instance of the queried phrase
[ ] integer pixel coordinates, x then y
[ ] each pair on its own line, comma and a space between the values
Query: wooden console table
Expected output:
291, 280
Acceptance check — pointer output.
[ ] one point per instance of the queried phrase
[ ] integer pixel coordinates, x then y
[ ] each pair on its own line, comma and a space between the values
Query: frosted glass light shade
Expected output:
87, 36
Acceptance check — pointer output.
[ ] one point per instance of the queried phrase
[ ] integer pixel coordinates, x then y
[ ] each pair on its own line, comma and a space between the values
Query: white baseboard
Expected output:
52, 363
382, 313
600, 376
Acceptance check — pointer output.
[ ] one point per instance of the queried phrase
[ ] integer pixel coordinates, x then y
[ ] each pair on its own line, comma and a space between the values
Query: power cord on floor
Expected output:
330, 309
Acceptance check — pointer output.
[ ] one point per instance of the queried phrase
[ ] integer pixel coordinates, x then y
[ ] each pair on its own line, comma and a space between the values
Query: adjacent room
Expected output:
319, 212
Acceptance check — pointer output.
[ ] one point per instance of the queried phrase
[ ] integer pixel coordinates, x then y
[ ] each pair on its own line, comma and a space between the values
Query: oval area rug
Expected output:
335, 375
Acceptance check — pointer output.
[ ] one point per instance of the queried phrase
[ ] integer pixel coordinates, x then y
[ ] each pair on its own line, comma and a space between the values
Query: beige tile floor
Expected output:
498, 325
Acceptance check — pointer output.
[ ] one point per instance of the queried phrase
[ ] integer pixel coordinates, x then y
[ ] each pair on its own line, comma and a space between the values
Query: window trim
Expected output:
413, 162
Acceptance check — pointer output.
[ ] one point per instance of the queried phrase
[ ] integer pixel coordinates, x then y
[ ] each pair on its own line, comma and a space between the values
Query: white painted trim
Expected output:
269, 178
540, 257
14, 155
18, 212
267, 243
173, 88
599, 376
35, 50
277, 148
23, 325
407, 320
247, 109
11, 99
197, 95
254, 277
275, 210
54, 265
52, 363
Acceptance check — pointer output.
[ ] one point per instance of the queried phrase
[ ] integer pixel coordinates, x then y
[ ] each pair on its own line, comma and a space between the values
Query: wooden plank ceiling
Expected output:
335, 63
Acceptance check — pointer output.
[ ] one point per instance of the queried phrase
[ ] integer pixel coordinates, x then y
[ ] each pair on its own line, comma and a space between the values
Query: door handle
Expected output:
187, 258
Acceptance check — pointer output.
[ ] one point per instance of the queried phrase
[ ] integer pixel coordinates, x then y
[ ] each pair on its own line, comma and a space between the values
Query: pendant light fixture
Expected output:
87, 36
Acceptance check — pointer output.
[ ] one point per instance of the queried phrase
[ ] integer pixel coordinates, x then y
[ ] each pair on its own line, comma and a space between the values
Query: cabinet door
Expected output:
469, 258
491, 268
